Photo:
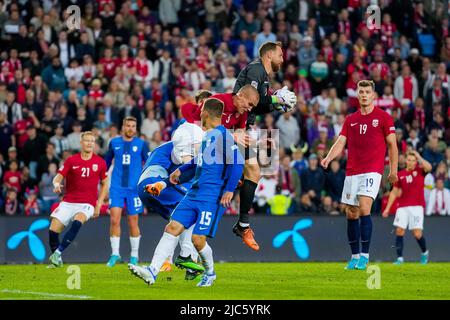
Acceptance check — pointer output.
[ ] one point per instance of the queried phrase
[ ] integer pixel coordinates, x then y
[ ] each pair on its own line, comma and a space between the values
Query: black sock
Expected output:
399, 246
247, 194
70, 235
422, 244
366, 233
353, 233
53, 240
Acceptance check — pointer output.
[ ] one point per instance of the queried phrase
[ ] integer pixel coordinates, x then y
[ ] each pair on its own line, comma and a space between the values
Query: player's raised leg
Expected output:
247, 193
69, 237
365, 205
114, 235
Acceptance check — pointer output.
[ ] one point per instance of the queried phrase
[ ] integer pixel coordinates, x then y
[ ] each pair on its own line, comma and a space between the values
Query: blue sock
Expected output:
399, 246
366, 233
353, 235
422, 244
70, 235
53, 240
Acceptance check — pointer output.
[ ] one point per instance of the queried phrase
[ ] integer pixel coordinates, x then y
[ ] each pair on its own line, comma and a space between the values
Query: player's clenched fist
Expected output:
57, 188
325, 162
175, 177
392, 177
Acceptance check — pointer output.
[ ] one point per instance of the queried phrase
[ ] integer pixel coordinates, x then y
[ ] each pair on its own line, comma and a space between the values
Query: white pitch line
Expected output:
46, 294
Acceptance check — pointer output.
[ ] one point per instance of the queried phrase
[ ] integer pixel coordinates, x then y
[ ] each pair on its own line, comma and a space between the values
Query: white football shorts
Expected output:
66, 211
365, 184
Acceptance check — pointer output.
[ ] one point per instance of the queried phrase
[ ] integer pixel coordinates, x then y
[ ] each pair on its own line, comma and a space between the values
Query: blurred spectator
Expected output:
313, 181
12, 206
280, 202
439, 200
289, 130
334, 183
31, 206
46, 194
265, 191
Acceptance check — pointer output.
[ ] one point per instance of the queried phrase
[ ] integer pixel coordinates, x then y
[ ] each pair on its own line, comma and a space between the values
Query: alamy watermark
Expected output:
374, 17
74, 279
73, 20
374, 280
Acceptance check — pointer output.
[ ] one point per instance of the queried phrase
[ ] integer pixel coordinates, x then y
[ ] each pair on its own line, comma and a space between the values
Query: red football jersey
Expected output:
231, 119
412, 185
82, 178
366, 140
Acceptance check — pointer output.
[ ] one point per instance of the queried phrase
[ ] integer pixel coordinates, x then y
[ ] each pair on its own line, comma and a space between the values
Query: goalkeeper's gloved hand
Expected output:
284, 100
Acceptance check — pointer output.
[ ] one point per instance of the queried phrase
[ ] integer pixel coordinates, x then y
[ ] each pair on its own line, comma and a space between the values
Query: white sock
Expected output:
365, 255
355, 256
186, 246
164, 249
207, 257
244, 225
115, 245
400, 259
134, 241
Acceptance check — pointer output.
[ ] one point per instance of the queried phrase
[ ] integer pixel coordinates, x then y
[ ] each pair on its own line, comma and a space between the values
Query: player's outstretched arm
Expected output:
393, 157
101, 198
335, 150
57, 186
395, 192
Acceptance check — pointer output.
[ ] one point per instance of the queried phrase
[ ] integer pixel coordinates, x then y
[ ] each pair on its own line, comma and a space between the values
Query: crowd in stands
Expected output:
146, 58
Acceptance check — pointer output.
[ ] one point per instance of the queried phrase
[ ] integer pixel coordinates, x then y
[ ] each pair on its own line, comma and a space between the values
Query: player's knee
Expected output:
199, 242
352, 212
400, 232
252, 172
417, 233
115, 221
174, 228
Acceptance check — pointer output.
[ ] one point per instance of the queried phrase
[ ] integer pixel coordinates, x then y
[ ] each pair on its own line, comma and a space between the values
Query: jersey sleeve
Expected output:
64, 169
388, 126
234, 163
242, 121
344, 130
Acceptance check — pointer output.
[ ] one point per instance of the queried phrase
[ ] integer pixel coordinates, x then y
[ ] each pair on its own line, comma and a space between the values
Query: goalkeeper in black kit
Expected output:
257, 73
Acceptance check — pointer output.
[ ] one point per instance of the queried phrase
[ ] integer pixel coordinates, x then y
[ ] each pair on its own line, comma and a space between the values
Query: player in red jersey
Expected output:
411, 197
366, 133
235, 109
82, 172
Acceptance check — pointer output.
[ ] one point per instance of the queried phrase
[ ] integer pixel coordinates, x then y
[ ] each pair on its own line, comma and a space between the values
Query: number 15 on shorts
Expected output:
205, 219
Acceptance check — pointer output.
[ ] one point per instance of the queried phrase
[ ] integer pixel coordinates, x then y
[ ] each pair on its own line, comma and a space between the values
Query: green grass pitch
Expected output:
237, 281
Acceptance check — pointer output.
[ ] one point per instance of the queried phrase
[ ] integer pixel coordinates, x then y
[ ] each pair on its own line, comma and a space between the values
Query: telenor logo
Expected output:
35, 244
298, 242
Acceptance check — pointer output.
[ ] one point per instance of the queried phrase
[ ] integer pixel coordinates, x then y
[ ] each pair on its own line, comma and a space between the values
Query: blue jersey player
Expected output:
218, 169
129, 153
161, 163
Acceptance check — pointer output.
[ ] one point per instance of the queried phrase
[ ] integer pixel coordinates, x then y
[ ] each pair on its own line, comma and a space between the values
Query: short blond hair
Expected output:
86, 133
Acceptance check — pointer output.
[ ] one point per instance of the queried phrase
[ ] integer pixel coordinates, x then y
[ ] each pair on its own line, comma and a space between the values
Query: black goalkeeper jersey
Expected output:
255, 75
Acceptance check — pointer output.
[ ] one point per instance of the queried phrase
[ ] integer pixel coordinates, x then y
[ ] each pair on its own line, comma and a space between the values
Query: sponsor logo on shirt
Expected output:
75, 167
353, 124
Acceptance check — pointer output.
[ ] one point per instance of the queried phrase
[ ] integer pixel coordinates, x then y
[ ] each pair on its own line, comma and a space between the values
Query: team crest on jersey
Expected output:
375, 123
94, 167
135, 148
